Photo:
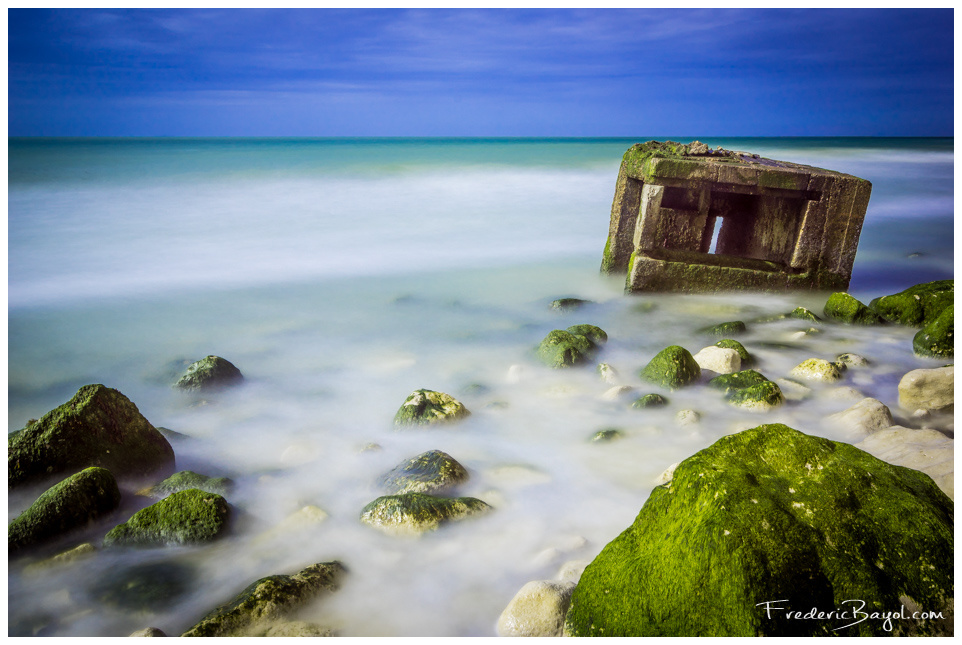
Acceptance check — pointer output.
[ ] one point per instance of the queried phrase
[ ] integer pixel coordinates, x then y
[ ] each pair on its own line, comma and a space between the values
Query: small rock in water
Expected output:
672, 368
186, 479
843, 308
720, 360
862, 419
426, 407
730, 343
725, 329
432, 472
608, 373
538, 609
416, 513
687, 418
817, 369
565, 305
604, 436
615, 393
210, 373
149, 631
852, 360
928, 389
650, 401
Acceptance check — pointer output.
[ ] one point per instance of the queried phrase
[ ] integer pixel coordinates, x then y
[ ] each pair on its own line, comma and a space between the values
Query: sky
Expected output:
485, 72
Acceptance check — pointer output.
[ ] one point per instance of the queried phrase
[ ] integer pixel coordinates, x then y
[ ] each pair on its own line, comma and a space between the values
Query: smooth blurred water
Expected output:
341, 275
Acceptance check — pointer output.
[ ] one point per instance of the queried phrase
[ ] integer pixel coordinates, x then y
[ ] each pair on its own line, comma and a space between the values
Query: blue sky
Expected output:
718, 72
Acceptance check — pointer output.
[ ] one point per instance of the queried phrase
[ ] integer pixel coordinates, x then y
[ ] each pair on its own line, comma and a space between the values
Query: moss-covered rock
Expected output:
937, 339
729, 343
737, 380
416, 513
801, 313
187, 479
771, 515
210, 373
99, 426
563, 349
188, 517
595, 335
72, 504
672, 368
817, 369
732, 328
759, 397
916, 306
606, 435
650, 401
152, 586
843, 308
264, 602
426, 407
565, 305
432, 472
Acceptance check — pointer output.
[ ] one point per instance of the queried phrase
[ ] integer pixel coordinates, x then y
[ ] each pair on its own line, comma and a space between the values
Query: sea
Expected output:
340, 275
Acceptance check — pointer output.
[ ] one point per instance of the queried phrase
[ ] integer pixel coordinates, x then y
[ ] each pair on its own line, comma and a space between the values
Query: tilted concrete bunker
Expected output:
688, 218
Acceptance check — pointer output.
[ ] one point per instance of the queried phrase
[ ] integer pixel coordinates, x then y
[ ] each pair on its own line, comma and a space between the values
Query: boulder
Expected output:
265, 602
187, 479
432, 472
672, 368
937, 339
561, 349
687, 418
801, 313
427, 407
650, 401
916, 306
730, 343
595, 335
817, 369
72, 504
793, 390
928, 389
209, 374
732, 328
416, 513
862, 419
148, 632
925, 450
188, 517
538, 609
843, 308
737, 380
851, 360
720, 360
100, 427
616, 392
767, 521
760, 397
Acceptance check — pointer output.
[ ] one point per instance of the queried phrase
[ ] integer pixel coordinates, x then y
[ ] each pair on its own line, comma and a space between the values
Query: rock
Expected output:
538, 609
845, 393
604, 436
100, 427
817, 369
666, 476
737, 380
732, 328
687, 418
801, 313
433, 472
152, 586
608, 374
254, 610
718, 359
565, 305
209, 374
672, 368
760, 397
561, 349
188, 517
729, 343
616, 392
72, 504
416, 513
149, 631
595, 335
571, 571
916, 306
74, 555
843, 308
928, 389
793, 390
852, 360
928, 451
778, 517
426, 407
187, 479
862, 419
650, 401
937, 339
293, 628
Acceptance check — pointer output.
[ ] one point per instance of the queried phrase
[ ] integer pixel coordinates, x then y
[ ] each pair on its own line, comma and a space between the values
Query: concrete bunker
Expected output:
688, 218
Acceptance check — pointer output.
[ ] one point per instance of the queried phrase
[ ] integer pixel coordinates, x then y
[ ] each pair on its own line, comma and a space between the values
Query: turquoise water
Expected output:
341, 275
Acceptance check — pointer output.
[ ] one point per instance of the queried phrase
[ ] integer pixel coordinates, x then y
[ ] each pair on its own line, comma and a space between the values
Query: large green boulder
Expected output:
767, 521
188, 517
427, 407
843, 308
99, 426
265, 602
432, 472
671, 368
72, 504
937, 339
916, 306
561, 349
210, 373
416, 513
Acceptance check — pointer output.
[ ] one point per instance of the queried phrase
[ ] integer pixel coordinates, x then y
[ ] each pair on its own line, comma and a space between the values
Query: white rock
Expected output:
845, 393
817, 369
608, 374
515, 374
929, 389
862, 419
722, 360
793, 390
929, 451
617, 392
687, 418
538, 609
571, 571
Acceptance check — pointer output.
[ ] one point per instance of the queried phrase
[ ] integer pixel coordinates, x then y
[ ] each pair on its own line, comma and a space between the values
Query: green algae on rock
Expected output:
732, 328
818, 369
99, 426
759, 397
737, 380
916, 306
937, 339
843, 308
561, 349
187, 479
255, 610
416, 513
425, 407
72, 504
210, 373
730, 343
565, 305
649, 401
188, 517
672, 368
595, 335
773, 515
607, 435
432, 472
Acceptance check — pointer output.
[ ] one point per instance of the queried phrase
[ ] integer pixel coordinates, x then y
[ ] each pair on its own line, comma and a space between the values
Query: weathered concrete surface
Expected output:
687, 218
